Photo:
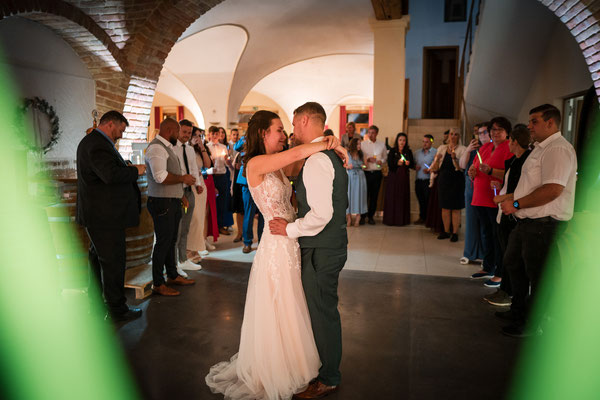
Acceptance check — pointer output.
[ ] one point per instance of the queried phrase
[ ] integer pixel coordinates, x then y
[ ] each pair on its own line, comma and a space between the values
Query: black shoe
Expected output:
362, 221
129, 315
443, 235
506, 315
371, 221
520, 331
454, 237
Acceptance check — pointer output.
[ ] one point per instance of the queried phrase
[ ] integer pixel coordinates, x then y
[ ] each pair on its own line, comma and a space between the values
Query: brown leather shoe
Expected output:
315, 390
224, 231
247, 249
181, 281
164, 290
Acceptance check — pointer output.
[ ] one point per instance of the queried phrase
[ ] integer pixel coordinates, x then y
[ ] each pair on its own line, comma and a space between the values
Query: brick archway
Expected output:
582, 18
89, 41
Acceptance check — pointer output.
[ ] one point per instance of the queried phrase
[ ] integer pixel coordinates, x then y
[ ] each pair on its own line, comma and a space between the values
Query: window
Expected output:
455, 11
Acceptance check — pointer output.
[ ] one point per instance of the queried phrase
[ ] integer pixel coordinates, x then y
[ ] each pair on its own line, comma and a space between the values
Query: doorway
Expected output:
440, 82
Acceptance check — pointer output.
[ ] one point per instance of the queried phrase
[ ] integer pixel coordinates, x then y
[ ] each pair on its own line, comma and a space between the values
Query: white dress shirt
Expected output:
317, 176
218, 153
374, 149
191, 157
157, 156
551, 161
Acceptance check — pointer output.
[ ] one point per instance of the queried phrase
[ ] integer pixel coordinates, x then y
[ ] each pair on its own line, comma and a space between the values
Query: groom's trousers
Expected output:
320, 272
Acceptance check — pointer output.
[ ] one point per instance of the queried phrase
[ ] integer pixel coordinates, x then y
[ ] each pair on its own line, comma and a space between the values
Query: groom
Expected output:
322, 193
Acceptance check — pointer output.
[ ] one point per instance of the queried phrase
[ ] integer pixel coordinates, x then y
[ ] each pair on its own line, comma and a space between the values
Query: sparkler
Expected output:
479, 156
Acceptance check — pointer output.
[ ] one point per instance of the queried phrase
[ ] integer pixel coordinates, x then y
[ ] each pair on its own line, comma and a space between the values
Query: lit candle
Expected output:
495, 191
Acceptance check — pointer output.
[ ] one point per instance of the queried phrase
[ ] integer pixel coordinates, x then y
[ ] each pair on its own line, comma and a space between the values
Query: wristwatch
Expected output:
516, 205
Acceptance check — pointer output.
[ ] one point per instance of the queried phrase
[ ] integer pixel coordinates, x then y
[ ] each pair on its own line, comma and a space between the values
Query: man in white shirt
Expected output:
165, 200
376, 155
187, 159
219, 155
322, 193
543, 199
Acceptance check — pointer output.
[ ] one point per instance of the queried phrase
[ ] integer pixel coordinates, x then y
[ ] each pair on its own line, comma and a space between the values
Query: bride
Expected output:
277, 355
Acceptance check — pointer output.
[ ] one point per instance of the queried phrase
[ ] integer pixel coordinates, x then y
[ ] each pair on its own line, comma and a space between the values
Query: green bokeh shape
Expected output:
50, 347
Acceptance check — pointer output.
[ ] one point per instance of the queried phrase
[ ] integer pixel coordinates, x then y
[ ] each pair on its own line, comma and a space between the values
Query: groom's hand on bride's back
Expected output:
277, 226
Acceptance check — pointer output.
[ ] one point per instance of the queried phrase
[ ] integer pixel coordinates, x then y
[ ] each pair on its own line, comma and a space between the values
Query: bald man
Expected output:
165, 201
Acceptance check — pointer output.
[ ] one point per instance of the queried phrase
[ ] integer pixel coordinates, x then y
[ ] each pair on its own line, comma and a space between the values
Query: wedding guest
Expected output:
423, 161
108, 201
218, 153
473, 232
211, 227
349, 135
328, 132
518, 143
237, 199
450, 184
187, 159
446, 135
357, 183
250, 208
234, 137
165, 200
196, 245
227, 213
491, 167
543, 200
376, 155
396, 207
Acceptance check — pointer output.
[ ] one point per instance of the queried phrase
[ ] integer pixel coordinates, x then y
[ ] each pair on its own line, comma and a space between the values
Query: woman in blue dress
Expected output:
357, 184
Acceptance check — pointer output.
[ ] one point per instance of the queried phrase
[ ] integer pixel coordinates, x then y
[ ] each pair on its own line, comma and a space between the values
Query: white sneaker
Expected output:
464, 260
204, 253
181, 272
209, 246
190, 266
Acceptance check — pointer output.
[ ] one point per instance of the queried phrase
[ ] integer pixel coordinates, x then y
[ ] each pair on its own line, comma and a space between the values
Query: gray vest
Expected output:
334, 234
156, 189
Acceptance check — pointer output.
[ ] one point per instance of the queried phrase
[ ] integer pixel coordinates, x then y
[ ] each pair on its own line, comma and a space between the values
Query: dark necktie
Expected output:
185, 161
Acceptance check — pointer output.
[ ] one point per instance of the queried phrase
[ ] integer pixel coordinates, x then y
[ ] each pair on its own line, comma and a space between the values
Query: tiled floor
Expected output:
411, 249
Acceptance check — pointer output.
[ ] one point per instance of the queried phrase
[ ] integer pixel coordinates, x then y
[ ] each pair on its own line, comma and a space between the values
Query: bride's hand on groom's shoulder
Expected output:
342, 152
332, 142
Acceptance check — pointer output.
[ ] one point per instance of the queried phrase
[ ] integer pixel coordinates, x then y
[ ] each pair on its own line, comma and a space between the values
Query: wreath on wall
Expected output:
34, 142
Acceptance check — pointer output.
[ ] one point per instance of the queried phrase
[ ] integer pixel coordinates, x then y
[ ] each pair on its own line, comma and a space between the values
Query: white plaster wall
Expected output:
562, 73
44, 65
261, 101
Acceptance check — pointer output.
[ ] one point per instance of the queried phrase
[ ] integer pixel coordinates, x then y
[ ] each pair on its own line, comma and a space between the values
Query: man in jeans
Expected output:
165, 198
376, 155
423, 160
543, 199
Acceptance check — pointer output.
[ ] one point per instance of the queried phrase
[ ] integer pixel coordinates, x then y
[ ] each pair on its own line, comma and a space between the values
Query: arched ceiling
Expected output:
284, 32
202, 66
327, 80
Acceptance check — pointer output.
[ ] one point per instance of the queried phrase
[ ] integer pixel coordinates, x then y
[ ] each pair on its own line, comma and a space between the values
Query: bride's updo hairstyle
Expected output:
255, 135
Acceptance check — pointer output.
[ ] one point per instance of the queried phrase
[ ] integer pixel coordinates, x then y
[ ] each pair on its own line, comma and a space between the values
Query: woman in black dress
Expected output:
451, 185
396, 207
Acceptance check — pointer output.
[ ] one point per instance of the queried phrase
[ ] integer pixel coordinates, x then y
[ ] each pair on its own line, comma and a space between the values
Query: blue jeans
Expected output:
473, 248
492, 253
250, 210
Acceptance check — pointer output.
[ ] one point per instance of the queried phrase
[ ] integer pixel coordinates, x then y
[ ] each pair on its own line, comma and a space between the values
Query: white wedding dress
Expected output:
277, 355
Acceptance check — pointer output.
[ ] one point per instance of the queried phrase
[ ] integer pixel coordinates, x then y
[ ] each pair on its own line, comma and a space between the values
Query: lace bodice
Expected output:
273, 195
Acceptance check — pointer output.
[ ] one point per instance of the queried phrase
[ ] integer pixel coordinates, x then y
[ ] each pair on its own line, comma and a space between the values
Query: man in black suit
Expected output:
108, 201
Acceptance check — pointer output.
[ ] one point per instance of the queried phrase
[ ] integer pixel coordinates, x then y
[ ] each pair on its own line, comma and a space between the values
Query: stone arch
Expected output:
89, 41
582, 18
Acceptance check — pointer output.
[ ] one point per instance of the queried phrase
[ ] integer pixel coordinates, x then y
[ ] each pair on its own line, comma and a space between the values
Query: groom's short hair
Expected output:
314, 110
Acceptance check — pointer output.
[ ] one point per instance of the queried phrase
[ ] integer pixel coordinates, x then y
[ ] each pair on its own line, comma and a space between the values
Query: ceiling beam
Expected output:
389, 9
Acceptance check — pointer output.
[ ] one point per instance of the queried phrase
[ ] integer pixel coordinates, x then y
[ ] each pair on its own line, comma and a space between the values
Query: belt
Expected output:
543, 220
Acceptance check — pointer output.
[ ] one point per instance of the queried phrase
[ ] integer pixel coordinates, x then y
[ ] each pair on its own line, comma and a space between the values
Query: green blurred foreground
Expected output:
50, 347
